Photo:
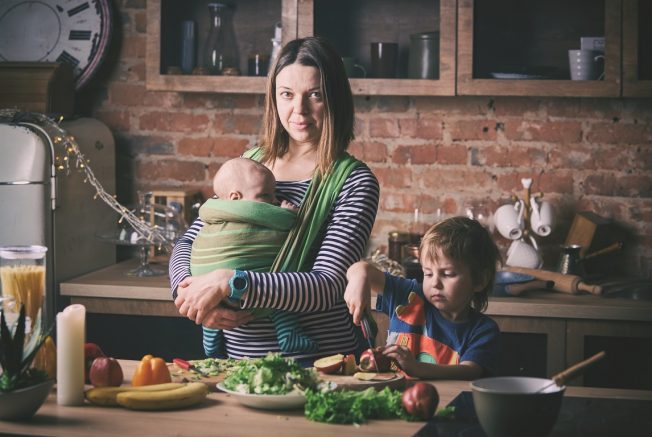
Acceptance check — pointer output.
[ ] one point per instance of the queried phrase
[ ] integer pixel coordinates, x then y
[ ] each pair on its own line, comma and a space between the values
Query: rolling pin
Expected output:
571, 284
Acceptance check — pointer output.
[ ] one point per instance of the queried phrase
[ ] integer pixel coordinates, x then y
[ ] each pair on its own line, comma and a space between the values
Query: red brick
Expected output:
126, 94
397, 201
619, 133
549, 131
517, 106
408, 127
229, 147
573, 156
162, 99
247, 124
430, 154
584, 108
219, 146
634, 186
458, 180
199, 147
429, 128
553, 181
394, 177
392, 104
469, 130
173, 122
510, 156
115, 120
384, 128
140, 21
167, 169
369, 151
133, 47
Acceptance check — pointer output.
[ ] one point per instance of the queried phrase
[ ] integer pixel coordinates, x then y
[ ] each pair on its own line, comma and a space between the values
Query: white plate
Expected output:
267, 402
516, 76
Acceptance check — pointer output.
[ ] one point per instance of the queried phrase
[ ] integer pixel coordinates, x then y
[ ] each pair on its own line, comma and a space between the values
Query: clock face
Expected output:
72, 31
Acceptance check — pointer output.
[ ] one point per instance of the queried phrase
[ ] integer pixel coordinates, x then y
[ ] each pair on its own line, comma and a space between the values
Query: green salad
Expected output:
270, 375
356, 407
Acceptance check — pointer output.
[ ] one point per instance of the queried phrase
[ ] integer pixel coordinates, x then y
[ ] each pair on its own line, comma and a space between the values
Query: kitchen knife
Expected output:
366, 333
183, 364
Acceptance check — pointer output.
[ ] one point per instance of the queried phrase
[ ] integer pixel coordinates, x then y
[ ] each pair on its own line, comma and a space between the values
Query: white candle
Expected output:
71, 333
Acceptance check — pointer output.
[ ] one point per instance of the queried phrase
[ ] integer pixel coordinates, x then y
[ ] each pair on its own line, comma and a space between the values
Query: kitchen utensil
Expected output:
368, 334
569, 263
186, 365
608, 249
566, 375
571, 284
510, 406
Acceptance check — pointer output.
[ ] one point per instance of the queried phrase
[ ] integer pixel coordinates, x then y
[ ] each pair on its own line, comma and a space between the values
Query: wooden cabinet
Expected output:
488, 47
514, 47
637, 50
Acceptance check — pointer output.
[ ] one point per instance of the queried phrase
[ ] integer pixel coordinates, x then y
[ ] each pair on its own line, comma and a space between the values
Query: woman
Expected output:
308, 125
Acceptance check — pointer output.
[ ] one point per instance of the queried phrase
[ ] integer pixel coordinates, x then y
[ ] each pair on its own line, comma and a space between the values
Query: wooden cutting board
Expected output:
352, 383
180, 375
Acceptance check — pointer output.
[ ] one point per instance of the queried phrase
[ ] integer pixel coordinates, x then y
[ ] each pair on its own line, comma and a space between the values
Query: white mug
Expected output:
541, 220
522, 254
584, 64
509, 220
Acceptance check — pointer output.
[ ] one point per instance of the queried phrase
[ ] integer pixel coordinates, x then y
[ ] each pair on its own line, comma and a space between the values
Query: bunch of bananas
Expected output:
166, 396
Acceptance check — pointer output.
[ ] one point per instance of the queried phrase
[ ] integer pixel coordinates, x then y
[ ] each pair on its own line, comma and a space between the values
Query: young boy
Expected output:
244, 230
437, 330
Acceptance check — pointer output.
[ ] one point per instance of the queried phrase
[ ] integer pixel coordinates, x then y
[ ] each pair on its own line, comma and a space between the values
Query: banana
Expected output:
106, 396
190, 394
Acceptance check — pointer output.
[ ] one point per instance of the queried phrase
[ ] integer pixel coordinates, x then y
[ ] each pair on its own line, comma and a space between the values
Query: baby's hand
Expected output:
288, 205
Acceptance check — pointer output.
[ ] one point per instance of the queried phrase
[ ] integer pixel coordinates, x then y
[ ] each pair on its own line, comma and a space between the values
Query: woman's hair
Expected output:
465, 240
337, 130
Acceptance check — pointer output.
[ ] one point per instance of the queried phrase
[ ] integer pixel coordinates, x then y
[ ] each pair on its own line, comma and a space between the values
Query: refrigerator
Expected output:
40, 205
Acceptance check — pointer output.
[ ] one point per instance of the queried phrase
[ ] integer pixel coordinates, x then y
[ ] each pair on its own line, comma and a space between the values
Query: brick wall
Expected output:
431, 153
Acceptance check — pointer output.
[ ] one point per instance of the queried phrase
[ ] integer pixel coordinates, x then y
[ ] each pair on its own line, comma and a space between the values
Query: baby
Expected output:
244, 230
437, 330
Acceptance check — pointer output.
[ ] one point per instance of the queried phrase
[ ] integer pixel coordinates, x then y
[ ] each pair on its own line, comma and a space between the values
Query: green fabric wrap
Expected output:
239, 234
299, 250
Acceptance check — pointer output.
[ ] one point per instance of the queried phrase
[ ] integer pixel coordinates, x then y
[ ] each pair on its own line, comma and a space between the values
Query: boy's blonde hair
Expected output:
464, 240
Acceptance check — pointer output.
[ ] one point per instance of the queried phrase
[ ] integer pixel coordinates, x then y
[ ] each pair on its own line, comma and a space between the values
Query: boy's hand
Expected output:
402, 355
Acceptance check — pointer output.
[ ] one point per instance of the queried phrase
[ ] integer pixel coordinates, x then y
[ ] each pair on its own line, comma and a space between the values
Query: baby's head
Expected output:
244, 179
466, 241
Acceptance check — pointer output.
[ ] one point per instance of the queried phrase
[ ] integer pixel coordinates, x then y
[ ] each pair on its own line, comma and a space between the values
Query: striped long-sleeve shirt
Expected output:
318, 294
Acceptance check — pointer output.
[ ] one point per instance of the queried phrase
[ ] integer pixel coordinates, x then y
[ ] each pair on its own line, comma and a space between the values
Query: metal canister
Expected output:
424, 56
411, 263
395, 243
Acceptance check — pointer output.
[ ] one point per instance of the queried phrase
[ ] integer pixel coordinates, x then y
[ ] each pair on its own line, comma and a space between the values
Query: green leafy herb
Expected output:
271, 375
346, 406
214, 366
16, 354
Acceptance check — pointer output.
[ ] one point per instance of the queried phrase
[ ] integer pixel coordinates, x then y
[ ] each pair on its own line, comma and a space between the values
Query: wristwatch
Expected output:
239, 283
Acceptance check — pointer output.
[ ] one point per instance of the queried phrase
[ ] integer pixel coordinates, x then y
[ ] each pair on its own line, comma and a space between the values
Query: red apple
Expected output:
106, 372
371, 357
330, 364
91, 351
421, 400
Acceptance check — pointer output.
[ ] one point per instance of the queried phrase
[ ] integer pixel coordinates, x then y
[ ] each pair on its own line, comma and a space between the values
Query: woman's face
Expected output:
300, 104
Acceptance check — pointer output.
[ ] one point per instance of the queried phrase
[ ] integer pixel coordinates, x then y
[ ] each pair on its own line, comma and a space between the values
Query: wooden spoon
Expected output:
573, 371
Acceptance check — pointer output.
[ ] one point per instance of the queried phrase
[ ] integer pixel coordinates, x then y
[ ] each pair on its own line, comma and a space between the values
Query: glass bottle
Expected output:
220, 49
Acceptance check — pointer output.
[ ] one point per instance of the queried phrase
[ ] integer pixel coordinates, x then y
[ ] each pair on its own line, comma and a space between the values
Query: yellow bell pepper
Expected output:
46, 358
151, 370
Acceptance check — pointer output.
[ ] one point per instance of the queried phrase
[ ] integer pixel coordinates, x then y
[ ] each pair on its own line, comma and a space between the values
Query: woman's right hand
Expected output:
198, 295
357, 297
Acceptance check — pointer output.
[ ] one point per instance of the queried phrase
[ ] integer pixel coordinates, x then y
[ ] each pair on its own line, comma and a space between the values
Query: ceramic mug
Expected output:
522, 254
584, 64
384, 56
509, 220
353, 69
541, 218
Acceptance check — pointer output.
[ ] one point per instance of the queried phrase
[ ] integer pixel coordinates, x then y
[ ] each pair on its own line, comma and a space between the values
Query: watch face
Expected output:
72, 31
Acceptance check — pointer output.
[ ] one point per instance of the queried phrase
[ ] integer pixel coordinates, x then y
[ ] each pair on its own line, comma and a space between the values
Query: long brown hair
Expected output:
464, 240
337, 130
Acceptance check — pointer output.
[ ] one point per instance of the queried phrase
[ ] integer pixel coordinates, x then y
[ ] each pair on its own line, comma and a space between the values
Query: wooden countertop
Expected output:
110, 291
221, 414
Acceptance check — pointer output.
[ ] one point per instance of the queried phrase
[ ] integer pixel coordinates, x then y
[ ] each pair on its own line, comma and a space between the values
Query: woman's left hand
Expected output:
198, 295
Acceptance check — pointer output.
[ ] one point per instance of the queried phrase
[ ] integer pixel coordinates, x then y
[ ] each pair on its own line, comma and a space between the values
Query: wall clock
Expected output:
73, 31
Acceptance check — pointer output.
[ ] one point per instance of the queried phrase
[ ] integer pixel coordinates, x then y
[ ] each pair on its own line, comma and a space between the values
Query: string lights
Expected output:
68, 157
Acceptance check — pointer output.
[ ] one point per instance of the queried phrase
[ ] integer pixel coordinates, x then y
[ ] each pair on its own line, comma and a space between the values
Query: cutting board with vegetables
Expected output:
382, 380
210, 372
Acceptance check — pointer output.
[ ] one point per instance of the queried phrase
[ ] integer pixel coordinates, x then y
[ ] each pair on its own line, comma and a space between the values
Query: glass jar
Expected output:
220, 49
395, 243
22, 280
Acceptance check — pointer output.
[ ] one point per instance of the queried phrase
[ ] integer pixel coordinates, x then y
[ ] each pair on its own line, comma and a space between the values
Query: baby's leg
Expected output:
290, 336
213, 341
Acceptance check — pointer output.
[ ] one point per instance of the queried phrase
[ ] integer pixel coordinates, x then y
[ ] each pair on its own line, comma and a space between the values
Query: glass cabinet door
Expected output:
637, 48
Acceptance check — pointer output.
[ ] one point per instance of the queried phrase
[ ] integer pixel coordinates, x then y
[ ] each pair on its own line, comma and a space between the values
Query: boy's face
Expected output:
448, 286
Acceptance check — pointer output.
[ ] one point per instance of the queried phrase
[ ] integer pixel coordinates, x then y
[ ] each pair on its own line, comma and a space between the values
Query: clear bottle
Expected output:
220, 49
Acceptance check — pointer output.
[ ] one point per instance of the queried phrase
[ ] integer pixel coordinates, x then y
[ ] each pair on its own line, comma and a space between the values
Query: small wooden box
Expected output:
182, 200
46, 87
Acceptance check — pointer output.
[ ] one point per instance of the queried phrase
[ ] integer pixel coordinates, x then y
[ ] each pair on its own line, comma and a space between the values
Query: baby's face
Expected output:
262, 190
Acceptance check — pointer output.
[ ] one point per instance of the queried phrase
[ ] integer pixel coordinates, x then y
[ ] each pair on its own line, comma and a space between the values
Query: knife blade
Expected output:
186, 365
366, 333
